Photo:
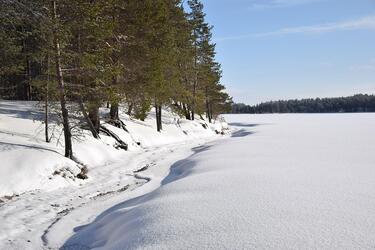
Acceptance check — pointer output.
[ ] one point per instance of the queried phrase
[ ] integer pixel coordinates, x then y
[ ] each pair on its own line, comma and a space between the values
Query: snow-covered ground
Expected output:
29, 163
39, 190
279, 182
293, 181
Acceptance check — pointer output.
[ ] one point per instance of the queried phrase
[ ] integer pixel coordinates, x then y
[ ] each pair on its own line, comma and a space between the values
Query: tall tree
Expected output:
60, 80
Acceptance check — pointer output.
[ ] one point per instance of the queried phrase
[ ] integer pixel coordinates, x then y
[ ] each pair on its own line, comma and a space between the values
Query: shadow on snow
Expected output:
178, 170
242, 133
245, 125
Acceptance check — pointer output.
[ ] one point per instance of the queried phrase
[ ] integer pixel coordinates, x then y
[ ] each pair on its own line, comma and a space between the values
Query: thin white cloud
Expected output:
359, 24
258, 5
364, 23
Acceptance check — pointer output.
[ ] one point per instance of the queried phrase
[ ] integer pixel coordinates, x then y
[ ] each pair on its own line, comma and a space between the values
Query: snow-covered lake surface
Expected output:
279, 182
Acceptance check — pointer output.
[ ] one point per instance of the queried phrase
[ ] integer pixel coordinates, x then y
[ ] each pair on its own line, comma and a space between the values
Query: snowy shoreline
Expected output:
32, 219
42, 165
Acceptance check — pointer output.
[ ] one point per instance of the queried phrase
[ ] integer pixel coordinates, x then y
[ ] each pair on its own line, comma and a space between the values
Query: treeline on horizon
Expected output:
356, 103
142, 54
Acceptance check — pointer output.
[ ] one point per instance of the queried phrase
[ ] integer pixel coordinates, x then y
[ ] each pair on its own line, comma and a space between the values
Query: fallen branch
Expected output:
121, 144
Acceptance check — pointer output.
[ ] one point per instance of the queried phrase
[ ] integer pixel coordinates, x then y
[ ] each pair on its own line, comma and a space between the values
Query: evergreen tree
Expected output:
140, 53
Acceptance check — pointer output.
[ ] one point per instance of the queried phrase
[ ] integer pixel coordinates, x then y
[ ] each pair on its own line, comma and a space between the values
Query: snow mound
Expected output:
27, 167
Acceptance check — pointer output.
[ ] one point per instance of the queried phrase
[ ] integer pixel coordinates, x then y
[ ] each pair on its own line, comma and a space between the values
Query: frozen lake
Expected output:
293, 181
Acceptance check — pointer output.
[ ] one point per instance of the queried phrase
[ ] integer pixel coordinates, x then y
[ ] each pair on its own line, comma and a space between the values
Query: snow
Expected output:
291, 181
298, 181
39, 191
36, 172
28, 163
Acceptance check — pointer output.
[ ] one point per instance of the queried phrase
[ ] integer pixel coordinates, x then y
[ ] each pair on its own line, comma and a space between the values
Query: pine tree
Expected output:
207, 92
61, 84
141, 53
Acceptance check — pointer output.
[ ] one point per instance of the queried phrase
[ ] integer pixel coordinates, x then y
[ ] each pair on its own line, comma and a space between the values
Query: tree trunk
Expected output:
158, 117
186, 111
160, 123
94, 117
130, 109
46, 105
211, 112
46, 115
60, 80
193, 105
28, 86
88, 120
208, 112
113, 113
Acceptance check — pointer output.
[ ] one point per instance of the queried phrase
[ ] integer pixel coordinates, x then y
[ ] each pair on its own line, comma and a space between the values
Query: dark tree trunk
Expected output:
26, 90
130, 109
121, 143
208, 110
60, 80
94, 117
193, 107
29, 78
113, 113
46, 115
46, 97
186, 111
157, 117
211, 112
159, 126
160, 123
92, 128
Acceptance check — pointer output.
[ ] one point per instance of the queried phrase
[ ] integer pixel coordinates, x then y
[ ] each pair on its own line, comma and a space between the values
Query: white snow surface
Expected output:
294, 181
28, 163
42, 201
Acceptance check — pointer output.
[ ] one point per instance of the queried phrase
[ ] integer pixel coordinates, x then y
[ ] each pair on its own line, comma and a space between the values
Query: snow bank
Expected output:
280, 182
28, 163
175, 129
28, 167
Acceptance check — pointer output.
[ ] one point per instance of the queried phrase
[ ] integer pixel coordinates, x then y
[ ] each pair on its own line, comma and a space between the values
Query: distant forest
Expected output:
356, 103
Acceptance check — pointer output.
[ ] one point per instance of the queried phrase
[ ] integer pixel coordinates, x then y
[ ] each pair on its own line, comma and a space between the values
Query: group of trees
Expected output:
149, 53
356, 103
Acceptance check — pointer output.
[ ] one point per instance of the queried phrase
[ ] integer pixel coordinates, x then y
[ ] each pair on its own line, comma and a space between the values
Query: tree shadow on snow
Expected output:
83, 234
242, 133
20, 110
183, 168
245, 125
29, 110
10, 146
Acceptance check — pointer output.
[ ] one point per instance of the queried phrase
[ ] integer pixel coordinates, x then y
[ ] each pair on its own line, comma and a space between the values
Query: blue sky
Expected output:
281, 49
